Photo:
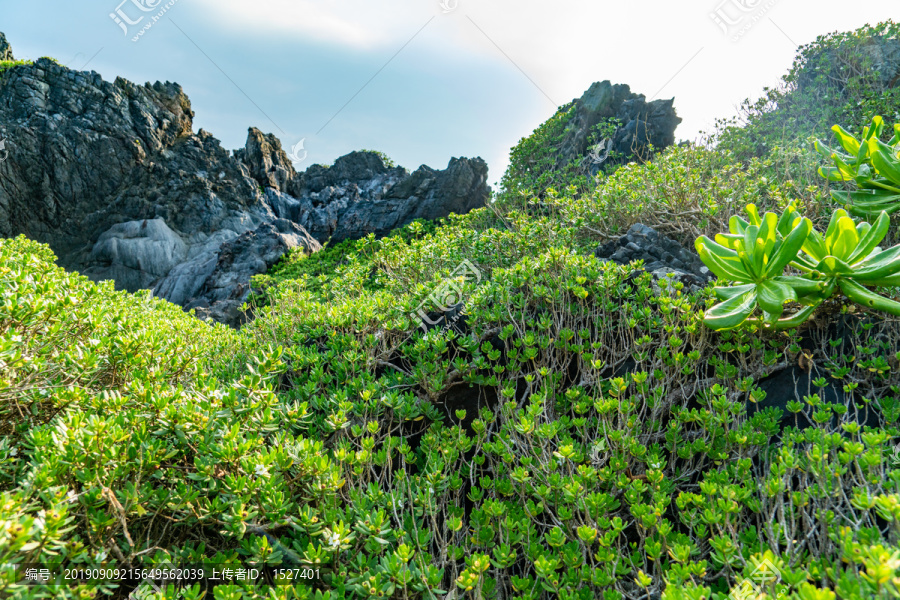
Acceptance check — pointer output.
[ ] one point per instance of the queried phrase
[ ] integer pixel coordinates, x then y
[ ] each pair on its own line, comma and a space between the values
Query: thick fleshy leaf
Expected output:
788, 220
772, 295
804, 287
789, 248
834, 174
870, 238
727, 292
847, 172
824, 149
844, 240
894, 140
831, 265
814, 246
795, 320
732, 312
732, 241
889, 281
768, 236
884, 160
878, 265
751, 254
865, 203
832, 229
874, 129
737, 225
722, 261
754, 214
849, 143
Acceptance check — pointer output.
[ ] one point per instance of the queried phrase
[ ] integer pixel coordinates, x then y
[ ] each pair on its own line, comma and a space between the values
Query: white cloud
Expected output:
349, 23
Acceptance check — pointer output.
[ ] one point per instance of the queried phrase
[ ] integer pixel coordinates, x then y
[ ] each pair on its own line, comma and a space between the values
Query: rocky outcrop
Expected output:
267, 161
226, 284
5, 49
639, 125
359, 194
661, 255
113, 178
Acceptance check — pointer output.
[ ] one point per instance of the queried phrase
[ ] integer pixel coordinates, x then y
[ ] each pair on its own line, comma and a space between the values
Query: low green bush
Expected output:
569, 429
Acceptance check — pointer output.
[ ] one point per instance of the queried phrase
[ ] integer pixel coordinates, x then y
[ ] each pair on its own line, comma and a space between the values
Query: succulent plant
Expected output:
754, 256
872, 165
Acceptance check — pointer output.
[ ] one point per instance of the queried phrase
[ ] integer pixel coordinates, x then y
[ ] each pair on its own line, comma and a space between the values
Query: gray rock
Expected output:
226, 287
642, 124
6, 52
661, 255
113, 178
136, 253
267, 161
359, 194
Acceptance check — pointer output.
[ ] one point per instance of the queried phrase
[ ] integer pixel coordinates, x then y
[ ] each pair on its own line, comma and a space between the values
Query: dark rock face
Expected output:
661, 255
268, 163
113, 178
642, 124
359, 194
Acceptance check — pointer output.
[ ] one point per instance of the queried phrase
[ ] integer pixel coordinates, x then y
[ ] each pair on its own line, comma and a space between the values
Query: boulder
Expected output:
661, 256
226, 286
136, 253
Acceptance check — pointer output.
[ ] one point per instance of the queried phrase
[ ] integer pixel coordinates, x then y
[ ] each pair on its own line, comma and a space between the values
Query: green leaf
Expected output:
727, 292
844, 240
871, 238
884, 160
732, 312
833, 266
789, 248
864, 203
772, 295
850, 143
723, 262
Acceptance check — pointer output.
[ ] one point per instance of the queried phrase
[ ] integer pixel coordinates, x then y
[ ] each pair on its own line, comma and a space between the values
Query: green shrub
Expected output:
574, 431
6, 65
832, 80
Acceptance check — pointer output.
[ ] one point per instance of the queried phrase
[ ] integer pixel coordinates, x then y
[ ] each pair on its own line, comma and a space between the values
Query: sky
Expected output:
427, 80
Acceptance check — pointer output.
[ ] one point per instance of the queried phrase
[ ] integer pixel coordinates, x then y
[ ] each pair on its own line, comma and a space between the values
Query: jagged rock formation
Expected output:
641, 124
359, 194
113, 178
5, 49
661, 256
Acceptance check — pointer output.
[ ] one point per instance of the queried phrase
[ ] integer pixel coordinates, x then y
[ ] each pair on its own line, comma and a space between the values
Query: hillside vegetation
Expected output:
478, 408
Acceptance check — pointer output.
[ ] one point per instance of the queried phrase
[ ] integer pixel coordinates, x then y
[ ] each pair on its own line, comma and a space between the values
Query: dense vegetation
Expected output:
577, 433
